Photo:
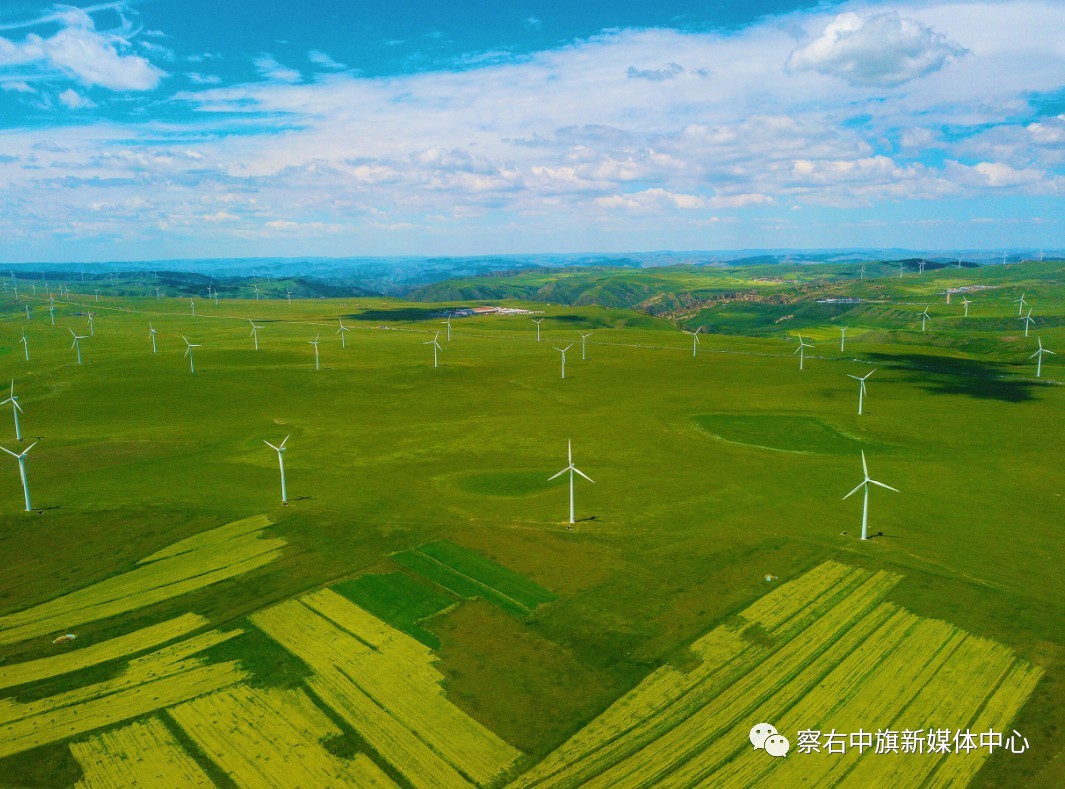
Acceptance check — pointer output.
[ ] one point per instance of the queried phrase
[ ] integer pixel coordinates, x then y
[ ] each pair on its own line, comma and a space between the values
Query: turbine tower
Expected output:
92, 328
583, 338
15, 410
25, 344
280, 449
254, 333
448, 324
965, 302
865, 483
537, 321
1039, 353
314, 342
801, 350
188, 352
343, 330
21, 458
1020, 304
151, 335
1027, 321
436, 347
861, 272
695, 339
193, 303
572, 470
76, 345
51, 309
842, 337
924, 316
861, 387
563, 352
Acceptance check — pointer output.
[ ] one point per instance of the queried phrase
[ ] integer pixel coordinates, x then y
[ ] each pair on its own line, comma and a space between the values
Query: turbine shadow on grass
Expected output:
954, 376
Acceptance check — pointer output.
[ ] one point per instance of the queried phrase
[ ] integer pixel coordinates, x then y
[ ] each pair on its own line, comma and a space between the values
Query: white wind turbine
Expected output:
1020, 304
861, 387
51, 309
436, 347
314, 342
21, 458
256, 292
1039, 353
448, 324
92, 328
76, 345
965, 302
842, 337
1027, 321
924, 316
188, 352
158, 295
288, 295
25, 344
900, 269
151, 335
280, 449
695, 339
254, 333
97, 294
959, 261
563, 352
583, 338
572, 470
193, 303
343, 330
921, 264
537, 321
28, 312
865, 483
801, 350
861, 272
15, 410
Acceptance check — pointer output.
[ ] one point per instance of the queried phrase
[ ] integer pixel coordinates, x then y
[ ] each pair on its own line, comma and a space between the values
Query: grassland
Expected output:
388, 455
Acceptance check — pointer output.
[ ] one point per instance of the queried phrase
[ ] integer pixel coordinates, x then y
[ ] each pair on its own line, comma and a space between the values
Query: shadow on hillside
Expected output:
400, 314
955, 376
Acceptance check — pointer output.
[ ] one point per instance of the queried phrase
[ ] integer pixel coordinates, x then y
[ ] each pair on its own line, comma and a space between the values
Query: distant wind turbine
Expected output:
51, 309
924, 316
1020, 304
537, 321
254, 333
921, 264
448, 324
695, 339
865, 483
188, 352
861, 387
959, 261
76, 345
280, 449
583, 338
572, 470
842, 337
193, 303
861, 272
314, 342
25, 344
436, 347
16, 409
256, 292
965, 302
563, 352
1027, 321
900, 268
97, 294
343, 330
158, 295
28, 312
21, 458
801, 350
151, 335
92, 327
1039, 353
288, 295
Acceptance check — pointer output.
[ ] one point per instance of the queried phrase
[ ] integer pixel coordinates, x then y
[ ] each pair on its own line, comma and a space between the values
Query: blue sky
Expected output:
155, 129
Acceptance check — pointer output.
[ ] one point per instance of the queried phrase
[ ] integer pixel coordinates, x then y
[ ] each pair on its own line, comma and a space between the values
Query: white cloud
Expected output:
75, 101
81, 52
16, 86
203, 79
319, 58
274, 71
881, 50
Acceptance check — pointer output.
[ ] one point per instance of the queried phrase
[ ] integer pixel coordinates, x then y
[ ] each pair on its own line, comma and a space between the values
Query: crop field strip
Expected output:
94, 654
382, 682
400, 600
263, 737
151, 682
140, 754
858, 661
185, 566
470, 575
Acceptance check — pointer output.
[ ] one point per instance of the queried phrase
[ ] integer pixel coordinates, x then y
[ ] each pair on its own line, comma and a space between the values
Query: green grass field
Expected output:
710, 472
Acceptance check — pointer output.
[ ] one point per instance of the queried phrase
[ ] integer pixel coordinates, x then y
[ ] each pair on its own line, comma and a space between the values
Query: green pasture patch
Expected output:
454, 581
504, 483
782, 432
399, 600
503, 579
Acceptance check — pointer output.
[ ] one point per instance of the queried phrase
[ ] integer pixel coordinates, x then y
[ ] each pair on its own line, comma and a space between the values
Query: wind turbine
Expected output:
861, 272
76, 345
193, 303
256, 292
959, 261
51, 309
537, 321
436, 346
583, 338
571, 469
842, 337
965, 302
157, 295
900, 269
1040, 256
92, 329
28, 312
25, 344
865, 483
188, 352
1039, 353
280, 449
254, 333
921, 264
314, 342
97, 294
1027, 321
288, 295
563, 352
343, 330
924, 316
861, 387
448, 324
1020, 304
695, 339
15, 409
801, 350
21, 458
151, 335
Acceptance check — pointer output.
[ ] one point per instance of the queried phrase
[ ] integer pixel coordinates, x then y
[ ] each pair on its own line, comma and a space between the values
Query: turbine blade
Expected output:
881, 484
286, 439
583, 474
31, 446
264, 441
559, 474
860, 486
8, 451
865, 468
